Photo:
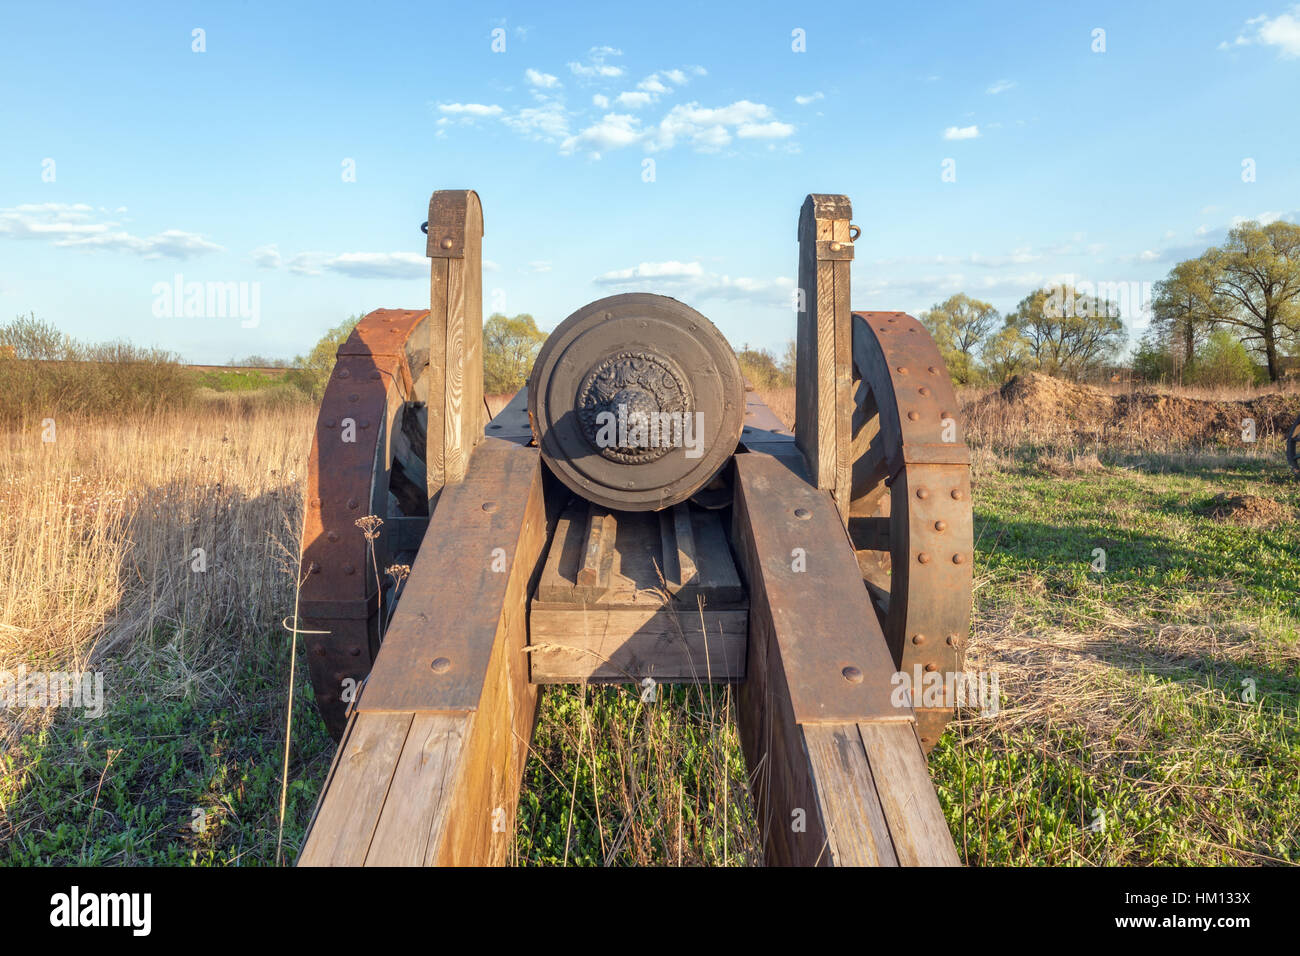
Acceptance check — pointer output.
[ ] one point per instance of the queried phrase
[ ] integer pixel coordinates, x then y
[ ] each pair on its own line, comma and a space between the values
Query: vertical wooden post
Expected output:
456, 410
824, 358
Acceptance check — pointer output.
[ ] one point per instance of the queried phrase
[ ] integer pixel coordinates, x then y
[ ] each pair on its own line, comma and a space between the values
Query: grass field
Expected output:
1148, 714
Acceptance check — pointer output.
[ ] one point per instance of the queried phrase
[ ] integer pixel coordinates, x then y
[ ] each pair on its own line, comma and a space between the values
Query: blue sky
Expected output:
229, 165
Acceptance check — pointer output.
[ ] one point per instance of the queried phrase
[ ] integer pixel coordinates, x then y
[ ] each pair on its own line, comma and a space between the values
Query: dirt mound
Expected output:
1250, 510
1051, 406
1042, 396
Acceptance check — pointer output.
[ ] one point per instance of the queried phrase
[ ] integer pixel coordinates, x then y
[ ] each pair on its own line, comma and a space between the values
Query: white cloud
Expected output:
809, 98
691, 282
961, 132
652, 84
361, 265
596, 67
614, 131
1281, 31
600, 101
76, 225
266, 257
676, 77
545, 80
548, 122
635, 100
1001, 86
710, 129
772, 130
539, 265
470, 109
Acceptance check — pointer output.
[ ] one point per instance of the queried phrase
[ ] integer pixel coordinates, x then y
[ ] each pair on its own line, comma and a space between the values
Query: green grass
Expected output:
165, 777
1123, 699
1130, 691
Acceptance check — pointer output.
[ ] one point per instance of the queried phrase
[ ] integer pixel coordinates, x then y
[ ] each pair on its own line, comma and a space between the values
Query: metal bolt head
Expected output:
440, 665
349, 569
802, 513
957, 494
912, 416
923, 557
918, 639
446, 243
852, 674
931, 667
922, 493
959, 559
489, 506
952, 640
940, 525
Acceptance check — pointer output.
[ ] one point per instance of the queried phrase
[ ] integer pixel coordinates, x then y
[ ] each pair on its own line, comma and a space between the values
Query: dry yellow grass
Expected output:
98, 532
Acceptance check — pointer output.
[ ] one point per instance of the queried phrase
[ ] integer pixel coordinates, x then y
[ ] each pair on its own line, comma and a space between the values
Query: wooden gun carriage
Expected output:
809, 567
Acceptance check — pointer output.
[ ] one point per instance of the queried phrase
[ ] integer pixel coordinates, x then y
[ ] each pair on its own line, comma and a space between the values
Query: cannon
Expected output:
636, 513
1293, 447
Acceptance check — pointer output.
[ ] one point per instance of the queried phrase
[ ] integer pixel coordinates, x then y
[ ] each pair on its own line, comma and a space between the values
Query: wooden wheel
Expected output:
367, 459
910, 511
1293, 447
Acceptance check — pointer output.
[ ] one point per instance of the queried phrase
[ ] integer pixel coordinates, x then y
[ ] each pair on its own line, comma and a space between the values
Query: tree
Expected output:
1068, 332
510, 345
1182, 309
958, 325
1224, 360
761, 369
1005, 353
312, 372
28, 337
1255, 287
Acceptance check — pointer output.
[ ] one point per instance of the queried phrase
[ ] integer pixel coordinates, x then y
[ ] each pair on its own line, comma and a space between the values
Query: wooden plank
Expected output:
622, 645
455, 598
600, 524
416, 811
481, 818
684, 543
916, 822
455, 393
559, 576
816, 791
349, 809
843, 409
824, 345
856, 831
435, 436
796, 559
511, 422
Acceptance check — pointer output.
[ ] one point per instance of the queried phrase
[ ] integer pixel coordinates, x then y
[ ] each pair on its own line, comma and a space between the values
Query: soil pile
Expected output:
1250, 510
1091, 413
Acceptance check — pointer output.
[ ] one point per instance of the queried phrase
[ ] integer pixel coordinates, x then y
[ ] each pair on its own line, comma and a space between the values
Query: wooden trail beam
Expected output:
456, 410
837, 770
429, 768
824, 345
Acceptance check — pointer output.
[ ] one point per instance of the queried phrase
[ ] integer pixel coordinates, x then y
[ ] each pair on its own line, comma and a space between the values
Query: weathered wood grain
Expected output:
916, 822
345, 820
625, 645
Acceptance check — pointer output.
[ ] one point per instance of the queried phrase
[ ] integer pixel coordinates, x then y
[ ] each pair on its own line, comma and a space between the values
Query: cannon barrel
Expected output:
636, 401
